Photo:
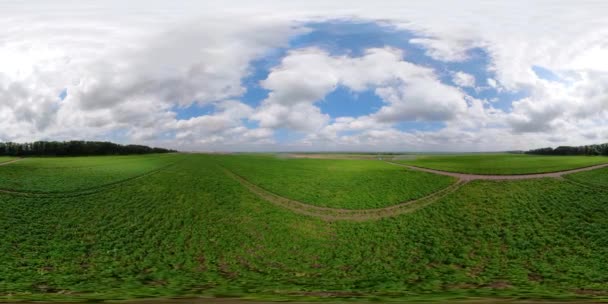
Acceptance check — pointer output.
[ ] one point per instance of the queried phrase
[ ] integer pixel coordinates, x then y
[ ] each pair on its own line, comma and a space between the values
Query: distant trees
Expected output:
74, 148
601, 149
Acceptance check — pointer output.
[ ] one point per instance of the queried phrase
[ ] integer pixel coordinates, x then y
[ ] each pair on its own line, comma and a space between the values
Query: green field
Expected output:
5, 159
68, 174
503, 163
191, 230
597, 177
349, 184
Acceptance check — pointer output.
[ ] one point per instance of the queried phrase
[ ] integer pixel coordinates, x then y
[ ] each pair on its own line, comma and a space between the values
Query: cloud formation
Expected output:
126, 71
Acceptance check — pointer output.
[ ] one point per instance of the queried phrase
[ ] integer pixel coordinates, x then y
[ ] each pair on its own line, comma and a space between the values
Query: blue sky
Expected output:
352, 39
274, 75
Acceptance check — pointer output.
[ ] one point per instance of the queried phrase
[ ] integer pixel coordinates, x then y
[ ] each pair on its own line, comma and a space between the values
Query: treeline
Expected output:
74, 148
601, 149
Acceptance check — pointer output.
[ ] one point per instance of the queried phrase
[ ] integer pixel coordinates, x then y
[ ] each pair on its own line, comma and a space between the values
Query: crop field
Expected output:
4, 159
597, 177
350, 184
190, 229
503, 163
68, 174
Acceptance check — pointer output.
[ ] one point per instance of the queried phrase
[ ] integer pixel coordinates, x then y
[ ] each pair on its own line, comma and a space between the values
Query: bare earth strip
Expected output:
10, 162
470, 177
335, 214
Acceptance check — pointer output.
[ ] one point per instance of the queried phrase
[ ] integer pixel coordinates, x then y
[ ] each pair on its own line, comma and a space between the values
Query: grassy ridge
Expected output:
66, 174
503, 163
191, 230
350, 184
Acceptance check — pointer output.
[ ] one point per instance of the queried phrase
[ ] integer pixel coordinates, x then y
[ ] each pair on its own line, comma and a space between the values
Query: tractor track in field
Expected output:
85, 192
340, 214
335, 214
470, 177
10, 162
586, 185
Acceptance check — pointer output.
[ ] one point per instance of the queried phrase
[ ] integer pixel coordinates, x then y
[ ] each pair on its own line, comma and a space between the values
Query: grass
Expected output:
68, 174
338, 183
190, 230
503, 163
4, 159
598, 177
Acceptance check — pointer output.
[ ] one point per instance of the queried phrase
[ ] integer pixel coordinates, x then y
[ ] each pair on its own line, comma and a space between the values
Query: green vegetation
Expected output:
68, 174
190, 230
503, 163
74, 148
349, 184
598, 177
5, 159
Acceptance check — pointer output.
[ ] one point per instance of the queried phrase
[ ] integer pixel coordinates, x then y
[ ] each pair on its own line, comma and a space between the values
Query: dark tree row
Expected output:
568, 150
74, 148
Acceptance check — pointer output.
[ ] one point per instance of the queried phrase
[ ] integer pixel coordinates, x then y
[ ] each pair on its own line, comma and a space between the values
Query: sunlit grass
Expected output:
503, 163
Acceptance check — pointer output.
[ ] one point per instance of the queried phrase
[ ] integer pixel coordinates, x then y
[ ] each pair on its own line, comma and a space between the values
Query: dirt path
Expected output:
10, 161
336, 214
470, 177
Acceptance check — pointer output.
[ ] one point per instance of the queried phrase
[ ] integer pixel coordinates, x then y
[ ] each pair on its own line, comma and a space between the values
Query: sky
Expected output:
275, 75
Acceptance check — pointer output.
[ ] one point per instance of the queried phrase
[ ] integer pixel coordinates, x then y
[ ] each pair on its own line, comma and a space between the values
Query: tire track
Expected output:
585, 185
339, 214
336, 214
470, 177
10, 162
85, 192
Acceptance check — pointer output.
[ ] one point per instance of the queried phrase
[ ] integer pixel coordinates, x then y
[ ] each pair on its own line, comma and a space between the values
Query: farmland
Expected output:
4, 159
350, 184
502, 163
189, 229
68, 174
598, 178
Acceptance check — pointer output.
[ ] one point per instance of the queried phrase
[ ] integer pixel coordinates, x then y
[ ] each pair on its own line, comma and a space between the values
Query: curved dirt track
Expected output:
334, 214
84, 192
470, 177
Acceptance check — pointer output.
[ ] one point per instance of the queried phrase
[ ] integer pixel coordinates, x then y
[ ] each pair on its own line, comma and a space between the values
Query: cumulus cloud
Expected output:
463, 79
121, 74
558, 108
125, 70
306, 76
444, 50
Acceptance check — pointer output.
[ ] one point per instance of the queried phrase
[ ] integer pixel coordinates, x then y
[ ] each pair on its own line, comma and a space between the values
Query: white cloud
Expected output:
121, 74
558, 108
444, 50
306, 76
125, 69
421, 98
463, 79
